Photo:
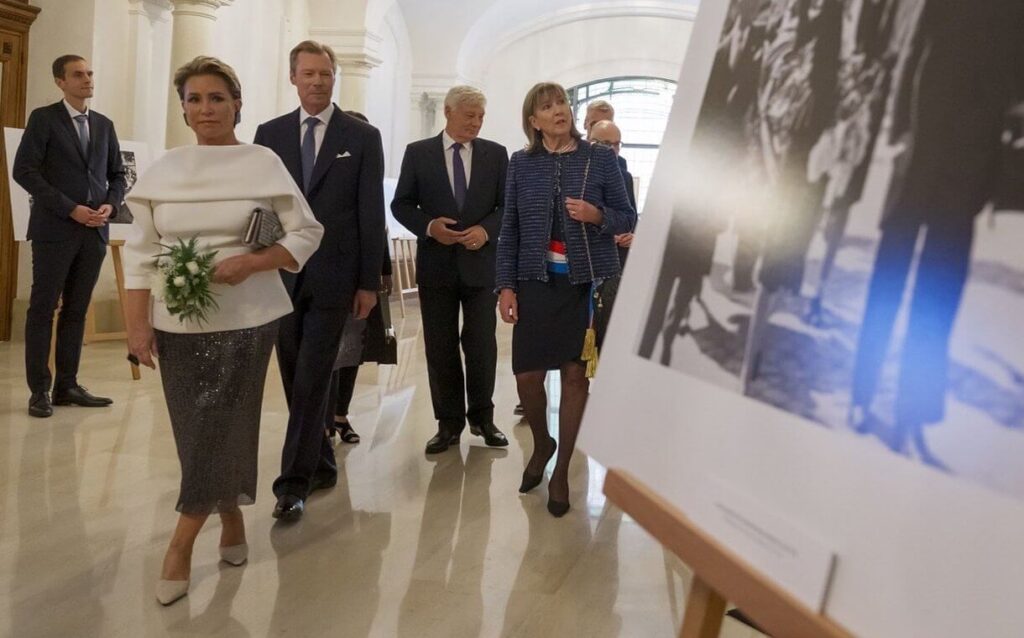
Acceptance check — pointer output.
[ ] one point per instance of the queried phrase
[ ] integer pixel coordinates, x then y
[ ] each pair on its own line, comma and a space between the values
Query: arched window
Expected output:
642, 105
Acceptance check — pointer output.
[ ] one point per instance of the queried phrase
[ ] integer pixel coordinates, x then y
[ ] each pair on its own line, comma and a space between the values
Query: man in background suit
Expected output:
607, 133
600, 111
69, 161
962, 73
338, 162
451, 194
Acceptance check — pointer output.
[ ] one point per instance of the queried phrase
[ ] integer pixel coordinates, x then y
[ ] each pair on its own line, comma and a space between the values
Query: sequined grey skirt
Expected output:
213, 385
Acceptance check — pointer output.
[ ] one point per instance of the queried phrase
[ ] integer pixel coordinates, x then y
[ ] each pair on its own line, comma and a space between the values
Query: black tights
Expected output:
575, 388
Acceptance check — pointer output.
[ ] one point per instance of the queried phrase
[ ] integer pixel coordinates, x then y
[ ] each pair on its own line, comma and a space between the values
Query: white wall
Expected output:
575, 53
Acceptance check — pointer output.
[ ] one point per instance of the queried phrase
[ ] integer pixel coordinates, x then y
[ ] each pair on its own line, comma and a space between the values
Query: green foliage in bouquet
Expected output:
184, 281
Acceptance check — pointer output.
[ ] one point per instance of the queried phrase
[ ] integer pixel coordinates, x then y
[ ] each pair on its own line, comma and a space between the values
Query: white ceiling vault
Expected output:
454, 40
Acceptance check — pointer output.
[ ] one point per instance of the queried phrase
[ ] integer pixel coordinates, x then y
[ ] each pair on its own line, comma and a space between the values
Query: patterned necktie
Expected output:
458, 176
83, 133
308, 151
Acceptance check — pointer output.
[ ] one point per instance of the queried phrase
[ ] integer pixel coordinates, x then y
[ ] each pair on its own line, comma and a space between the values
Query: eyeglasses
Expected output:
607, 143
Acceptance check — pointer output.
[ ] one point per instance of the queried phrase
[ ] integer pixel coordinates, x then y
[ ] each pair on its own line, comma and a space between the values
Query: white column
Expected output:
192, 36
144, 16
358, 54
427, 113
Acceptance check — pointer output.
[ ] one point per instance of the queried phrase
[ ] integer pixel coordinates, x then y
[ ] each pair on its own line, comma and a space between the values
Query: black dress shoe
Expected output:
531, 481
288, 508
39, 405
441, 442
492, 435
323, 482
77, 395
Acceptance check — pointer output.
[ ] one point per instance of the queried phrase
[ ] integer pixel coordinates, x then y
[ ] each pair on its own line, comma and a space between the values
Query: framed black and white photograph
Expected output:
817, 330
833, 259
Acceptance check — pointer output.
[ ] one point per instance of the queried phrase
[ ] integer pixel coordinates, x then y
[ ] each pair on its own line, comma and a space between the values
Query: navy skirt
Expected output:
552, 324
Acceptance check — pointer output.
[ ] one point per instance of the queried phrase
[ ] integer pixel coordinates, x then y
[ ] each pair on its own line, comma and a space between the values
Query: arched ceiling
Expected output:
460, 35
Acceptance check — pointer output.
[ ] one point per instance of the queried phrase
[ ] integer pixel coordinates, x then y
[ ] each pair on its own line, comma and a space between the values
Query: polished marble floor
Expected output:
405, 545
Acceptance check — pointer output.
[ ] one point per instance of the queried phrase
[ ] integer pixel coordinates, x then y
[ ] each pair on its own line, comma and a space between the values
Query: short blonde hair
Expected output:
599, 106
534, 98
310, 46
463, 94
206, 65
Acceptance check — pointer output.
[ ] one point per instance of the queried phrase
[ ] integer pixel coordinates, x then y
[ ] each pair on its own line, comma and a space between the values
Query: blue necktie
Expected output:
83, 133
458, 176
308, 151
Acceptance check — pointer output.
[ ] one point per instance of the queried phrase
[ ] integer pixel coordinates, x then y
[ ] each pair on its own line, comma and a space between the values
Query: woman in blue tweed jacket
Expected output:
564, 203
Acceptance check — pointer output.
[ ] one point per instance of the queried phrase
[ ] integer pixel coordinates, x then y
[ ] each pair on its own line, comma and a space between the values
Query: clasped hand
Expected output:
473, 238
92, 217
583, 211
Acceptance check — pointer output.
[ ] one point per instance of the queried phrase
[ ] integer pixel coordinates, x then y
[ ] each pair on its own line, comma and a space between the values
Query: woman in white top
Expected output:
213, 373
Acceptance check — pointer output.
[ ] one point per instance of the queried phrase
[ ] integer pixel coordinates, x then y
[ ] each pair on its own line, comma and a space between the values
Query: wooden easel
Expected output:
403, 254
718, 574
90, 318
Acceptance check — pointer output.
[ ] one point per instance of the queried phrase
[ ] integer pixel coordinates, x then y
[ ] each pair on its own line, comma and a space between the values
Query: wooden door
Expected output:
16, 16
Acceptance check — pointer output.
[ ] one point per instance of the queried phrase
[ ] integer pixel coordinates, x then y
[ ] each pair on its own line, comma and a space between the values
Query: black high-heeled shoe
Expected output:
557, 508
531, 481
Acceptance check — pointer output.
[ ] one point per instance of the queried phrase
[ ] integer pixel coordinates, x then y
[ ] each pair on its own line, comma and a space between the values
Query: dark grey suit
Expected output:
66, 255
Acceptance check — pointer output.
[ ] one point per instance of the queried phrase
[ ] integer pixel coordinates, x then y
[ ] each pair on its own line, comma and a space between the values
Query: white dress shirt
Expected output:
449, 162
324, 116
73, 113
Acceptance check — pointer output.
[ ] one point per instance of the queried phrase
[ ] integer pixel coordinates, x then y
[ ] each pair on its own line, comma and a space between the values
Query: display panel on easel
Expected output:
824, 294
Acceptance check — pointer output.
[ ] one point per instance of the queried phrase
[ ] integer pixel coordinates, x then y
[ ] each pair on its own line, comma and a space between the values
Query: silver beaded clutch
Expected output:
264, 229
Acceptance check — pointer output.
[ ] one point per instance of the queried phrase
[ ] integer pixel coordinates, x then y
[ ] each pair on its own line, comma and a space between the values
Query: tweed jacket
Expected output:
526, 226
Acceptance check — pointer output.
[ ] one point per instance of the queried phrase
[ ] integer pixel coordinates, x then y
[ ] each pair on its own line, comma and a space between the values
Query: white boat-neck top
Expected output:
209, 192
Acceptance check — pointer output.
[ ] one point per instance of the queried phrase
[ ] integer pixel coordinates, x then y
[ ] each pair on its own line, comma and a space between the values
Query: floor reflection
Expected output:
404, 545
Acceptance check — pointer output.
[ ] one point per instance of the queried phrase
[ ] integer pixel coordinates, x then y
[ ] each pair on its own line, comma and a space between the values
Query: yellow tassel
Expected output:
590, 352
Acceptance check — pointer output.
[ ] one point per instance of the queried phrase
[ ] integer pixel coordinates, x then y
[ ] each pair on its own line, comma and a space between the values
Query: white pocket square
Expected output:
343, 155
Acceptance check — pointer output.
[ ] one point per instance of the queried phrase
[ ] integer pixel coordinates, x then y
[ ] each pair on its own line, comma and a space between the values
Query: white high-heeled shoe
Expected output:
235, 554
168, 591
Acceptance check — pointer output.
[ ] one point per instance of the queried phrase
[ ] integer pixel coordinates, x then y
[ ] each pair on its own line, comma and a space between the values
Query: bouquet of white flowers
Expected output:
183, 281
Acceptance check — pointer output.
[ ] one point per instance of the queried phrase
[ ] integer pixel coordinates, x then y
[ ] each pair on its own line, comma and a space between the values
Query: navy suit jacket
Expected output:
627, 179
50, 165
346, 193
424, 193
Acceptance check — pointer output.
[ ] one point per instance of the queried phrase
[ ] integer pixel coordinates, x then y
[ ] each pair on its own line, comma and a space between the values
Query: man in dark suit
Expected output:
962, 73
338, 162
607, 133
69, 161
451, 194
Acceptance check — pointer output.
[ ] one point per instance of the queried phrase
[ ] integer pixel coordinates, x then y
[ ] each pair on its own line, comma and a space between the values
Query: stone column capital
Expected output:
357, 50
155, 10
434, 87
199, 8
